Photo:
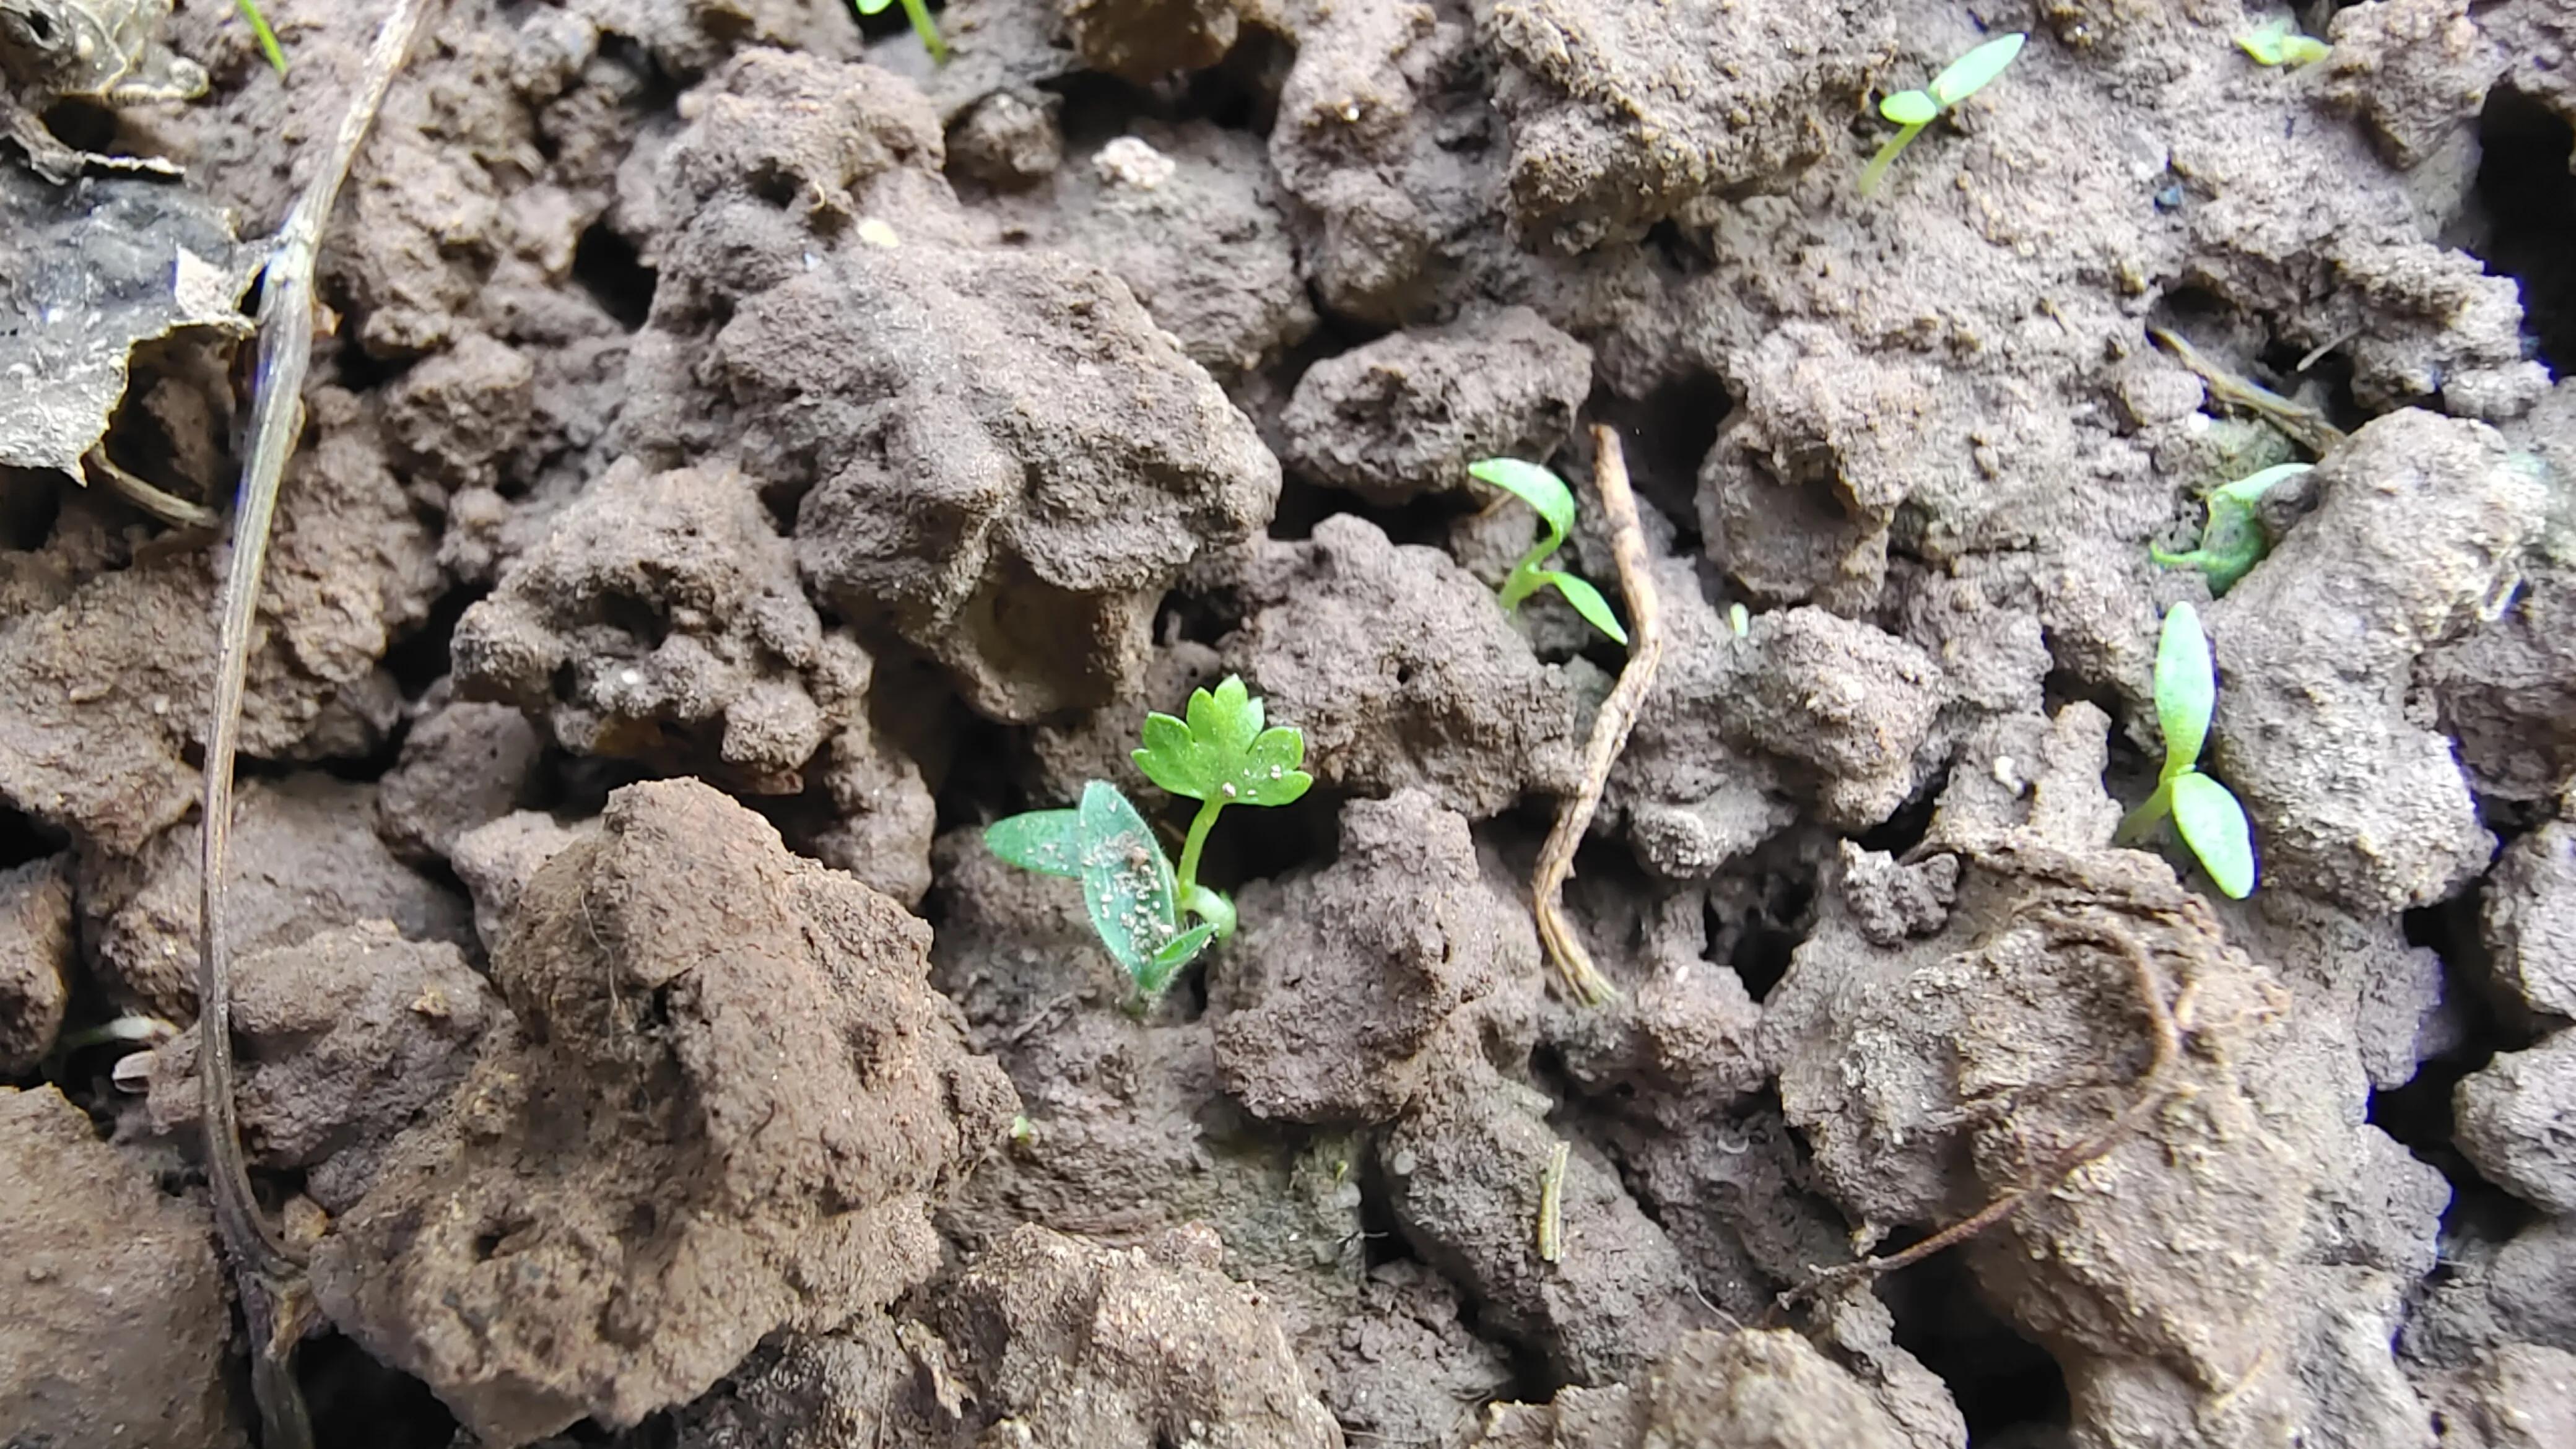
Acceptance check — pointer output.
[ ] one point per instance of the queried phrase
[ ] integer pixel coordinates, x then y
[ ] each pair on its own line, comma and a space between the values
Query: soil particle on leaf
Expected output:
2517, 1122
1347, 991
1406, 414
37, 960
2419, 530
305, 857
118, 1330
342, 1042
1402, 672
725, 1108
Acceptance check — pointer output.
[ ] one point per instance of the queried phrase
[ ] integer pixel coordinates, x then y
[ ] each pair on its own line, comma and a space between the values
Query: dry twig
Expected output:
275, 1300
1609, 728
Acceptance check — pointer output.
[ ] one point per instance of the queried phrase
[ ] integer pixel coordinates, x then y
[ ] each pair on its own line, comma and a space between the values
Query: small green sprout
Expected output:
1914, 110
268, 45
1221, 755
1546, 493
2279, 42
1739, 619
918, 12
2213, 824
2232, 542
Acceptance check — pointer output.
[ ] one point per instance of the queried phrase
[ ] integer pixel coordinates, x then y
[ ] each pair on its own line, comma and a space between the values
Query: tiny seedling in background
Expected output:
2279, 42
1545, 492
268, 45
2213, 824
2232, 542
1222, 754
1914, 110
918, 12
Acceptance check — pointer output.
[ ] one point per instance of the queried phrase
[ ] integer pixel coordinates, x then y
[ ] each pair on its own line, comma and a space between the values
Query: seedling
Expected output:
1546, 493
1221, 755
2212, 822
1914, 110
268, 45
918, 12
2232, 542
2279, 43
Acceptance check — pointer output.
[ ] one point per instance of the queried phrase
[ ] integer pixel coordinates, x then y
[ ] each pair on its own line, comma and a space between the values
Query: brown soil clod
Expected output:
2168, 1025
1609, 729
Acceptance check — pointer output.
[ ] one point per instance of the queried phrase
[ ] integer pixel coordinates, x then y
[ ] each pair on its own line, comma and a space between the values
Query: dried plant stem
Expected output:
1609, 729
2304, 424
2155, 1085
273, 1288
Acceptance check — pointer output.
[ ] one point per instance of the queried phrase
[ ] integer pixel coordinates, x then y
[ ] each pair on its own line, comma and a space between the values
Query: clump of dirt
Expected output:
723, 1109
119, 1329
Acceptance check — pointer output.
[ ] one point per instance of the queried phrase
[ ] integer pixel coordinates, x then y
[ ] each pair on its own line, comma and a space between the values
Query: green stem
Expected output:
1197, 842
2149, 814
1878, 164
918, 12
1526, 575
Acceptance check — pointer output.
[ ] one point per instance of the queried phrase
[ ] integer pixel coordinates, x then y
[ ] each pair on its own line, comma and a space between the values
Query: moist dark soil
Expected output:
745, 459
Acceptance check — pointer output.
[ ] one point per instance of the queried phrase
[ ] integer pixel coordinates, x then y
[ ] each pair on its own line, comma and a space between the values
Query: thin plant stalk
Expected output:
1609, 728
918, 12
285, 355
267, 38
1876, 170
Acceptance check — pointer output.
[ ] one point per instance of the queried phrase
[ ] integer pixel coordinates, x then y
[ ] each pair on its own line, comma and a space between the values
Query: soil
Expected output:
745, 459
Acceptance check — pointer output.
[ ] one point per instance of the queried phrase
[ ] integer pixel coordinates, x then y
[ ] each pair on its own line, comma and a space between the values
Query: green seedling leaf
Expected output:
1538, 487
2186, 689
1046, 841
1175, 954
1127, 883
267, 38
2279, 42
1910, 108
2232, 542
2213, 824
1970, 73
1586, 600
1221, 753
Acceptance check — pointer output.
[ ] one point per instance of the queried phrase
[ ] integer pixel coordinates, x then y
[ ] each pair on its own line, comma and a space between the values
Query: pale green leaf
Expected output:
1222, 752
1969, 73
1127, 882
1588, 602
1174, 954
1538, 487
1046, 841
872, 7
2213, 824
1910, 108
2186, 689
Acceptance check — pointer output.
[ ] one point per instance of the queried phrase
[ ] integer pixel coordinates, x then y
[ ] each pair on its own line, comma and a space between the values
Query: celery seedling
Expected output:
1221, 755
918, 12
2232, 542
2213, 824
1914, 110
1546, 493
267, 38
2280, 43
